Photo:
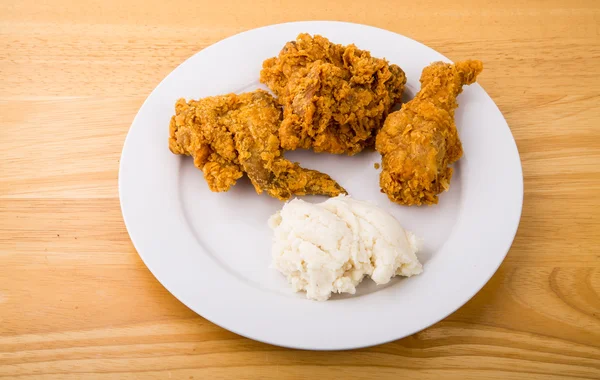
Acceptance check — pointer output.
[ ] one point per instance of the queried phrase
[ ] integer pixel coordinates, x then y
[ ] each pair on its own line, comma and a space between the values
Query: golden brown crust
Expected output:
418, 142
234, 134
335, 97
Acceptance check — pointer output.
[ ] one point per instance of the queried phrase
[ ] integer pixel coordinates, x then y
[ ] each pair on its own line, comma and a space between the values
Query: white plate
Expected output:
212, 250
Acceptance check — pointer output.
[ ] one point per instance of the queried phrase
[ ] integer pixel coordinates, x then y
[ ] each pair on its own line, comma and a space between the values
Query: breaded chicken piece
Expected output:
335, 97
234, 134
418, 142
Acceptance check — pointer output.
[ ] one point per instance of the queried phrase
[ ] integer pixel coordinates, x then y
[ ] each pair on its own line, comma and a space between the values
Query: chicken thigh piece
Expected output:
418, 142
335, 97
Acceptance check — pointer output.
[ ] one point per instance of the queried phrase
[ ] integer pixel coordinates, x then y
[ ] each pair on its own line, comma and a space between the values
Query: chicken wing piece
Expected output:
418, 142
234, 134
335, 97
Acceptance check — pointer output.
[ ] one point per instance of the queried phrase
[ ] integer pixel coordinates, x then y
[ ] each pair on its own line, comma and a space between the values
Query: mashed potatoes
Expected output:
329, 247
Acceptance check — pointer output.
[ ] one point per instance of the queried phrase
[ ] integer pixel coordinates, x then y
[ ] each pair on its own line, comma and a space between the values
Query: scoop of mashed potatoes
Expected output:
330, 247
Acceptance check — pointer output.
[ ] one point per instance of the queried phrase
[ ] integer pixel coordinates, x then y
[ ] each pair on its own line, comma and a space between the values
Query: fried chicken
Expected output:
418, 142
335, 97
234, 134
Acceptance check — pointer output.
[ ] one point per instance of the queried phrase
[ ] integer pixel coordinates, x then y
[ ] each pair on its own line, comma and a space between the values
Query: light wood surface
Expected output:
77, 302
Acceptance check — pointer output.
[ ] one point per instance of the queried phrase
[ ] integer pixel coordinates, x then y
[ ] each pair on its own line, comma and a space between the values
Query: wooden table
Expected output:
77, 302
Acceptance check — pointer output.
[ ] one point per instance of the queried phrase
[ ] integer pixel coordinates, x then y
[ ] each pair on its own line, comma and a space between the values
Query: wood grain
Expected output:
77, 302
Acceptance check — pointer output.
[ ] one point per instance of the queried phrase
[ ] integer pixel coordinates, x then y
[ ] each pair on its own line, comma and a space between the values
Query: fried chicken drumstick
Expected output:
234, 134
418, 142
335, 97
